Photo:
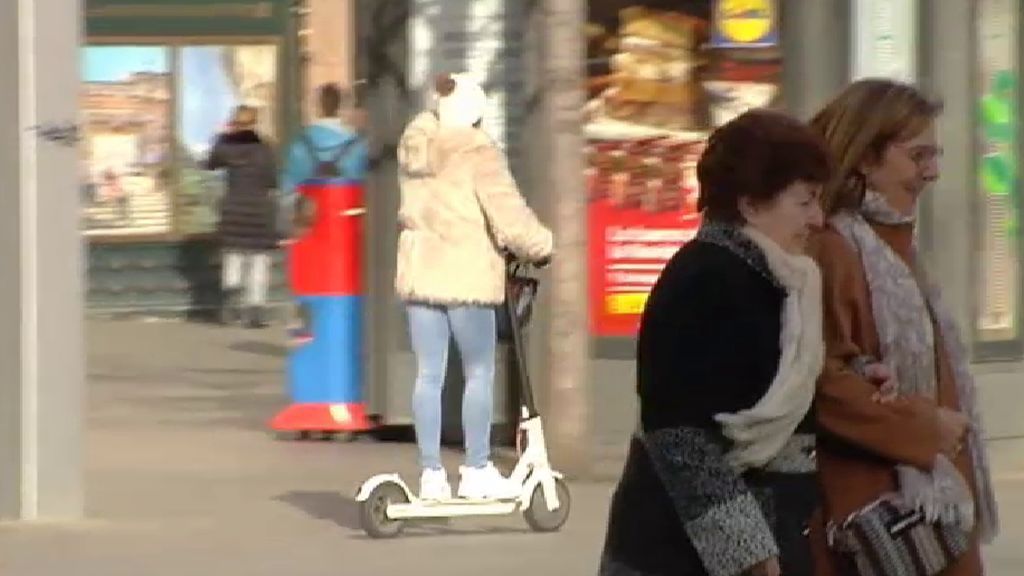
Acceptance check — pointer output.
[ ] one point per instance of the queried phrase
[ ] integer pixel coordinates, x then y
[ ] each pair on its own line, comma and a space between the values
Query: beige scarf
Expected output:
760, 432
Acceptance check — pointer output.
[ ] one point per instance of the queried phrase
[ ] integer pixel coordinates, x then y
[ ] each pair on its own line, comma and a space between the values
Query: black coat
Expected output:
248, 211
709, 343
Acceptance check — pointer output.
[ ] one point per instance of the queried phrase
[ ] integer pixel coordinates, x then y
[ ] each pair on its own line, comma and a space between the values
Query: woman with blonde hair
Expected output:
920, 452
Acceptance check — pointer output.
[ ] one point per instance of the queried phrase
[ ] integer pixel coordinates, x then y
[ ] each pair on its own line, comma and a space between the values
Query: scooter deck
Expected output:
464, 501
453, 507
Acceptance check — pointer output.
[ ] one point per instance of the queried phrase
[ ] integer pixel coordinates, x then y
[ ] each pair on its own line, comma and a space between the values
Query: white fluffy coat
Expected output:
459, 208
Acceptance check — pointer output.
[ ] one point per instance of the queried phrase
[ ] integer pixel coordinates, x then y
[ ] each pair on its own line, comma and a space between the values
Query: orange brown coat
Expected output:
860, 439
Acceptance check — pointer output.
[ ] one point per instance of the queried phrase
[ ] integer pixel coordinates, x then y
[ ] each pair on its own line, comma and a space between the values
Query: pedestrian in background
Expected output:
247, 221
460, 209
327, 149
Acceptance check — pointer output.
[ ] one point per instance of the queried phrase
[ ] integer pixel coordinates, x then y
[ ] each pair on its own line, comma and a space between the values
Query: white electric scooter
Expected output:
387, 503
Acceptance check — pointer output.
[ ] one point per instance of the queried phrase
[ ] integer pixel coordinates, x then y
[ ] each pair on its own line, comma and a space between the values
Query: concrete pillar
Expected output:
815, 45
384, 54
948, 72
41, 340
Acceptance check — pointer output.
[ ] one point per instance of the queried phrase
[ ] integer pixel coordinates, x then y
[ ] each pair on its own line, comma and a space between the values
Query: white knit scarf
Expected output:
760, 432
904, 305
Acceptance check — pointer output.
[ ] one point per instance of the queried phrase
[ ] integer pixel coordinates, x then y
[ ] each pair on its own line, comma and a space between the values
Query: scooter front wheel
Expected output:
373, 514
539, 517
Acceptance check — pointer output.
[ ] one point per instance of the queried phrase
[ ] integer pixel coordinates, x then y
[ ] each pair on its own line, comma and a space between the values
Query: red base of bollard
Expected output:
322, 418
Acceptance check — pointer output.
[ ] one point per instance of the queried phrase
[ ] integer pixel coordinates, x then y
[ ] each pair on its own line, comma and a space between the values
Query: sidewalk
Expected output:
183, 478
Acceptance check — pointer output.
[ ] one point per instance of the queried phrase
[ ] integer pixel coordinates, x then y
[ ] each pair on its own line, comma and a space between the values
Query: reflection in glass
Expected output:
213, 81
998, 286
126, 148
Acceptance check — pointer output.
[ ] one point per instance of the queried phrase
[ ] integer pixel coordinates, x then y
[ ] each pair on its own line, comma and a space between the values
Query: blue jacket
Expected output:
326, 135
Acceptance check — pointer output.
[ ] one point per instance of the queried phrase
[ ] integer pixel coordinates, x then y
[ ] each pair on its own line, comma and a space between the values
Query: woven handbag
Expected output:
888, 538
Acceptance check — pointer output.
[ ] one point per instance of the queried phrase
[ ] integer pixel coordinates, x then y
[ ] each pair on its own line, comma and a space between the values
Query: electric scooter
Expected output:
387, 503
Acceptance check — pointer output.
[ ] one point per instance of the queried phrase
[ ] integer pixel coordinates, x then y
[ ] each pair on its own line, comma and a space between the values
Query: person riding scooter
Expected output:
460, 208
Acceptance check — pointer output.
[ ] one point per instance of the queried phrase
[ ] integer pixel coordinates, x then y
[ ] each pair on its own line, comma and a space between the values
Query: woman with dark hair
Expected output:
720, 474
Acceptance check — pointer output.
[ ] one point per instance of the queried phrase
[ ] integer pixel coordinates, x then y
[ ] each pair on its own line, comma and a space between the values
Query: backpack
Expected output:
328, 168
303, 211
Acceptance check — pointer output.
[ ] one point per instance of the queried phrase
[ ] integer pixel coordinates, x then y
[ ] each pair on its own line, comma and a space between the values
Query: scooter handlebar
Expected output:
513, 260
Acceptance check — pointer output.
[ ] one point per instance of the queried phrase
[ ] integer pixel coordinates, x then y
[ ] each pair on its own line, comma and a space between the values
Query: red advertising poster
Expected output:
661, 75
642, 208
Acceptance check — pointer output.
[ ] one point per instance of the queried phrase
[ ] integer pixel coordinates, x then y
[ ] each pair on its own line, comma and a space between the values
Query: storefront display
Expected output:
999, 289
160, 79
661, 76
148, 131
126, 153
885, 42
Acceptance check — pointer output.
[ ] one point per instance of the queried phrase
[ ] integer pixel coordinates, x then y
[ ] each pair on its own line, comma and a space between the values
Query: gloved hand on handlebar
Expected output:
512, 258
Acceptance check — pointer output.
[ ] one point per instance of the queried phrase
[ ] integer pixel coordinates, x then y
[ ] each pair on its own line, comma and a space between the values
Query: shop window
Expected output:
998, 289
212, 81
126, 152
151, 114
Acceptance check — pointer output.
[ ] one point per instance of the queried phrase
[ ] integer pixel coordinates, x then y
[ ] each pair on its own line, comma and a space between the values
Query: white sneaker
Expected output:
434, 485
485, 483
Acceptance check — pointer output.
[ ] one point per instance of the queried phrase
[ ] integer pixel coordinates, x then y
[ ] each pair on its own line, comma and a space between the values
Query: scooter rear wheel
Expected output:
539, 518
373, 513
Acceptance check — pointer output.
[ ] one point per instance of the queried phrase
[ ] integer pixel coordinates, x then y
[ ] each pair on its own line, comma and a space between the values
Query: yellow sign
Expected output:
744, 21
629, 304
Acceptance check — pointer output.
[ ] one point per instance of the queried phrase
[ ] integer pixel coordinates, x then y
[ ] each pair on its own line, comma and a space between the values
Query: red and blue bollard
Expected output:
325, 272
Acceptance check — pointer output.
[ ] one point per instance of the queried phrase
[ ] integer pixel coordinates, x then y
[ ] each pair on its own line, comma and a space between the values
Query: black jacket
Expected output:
248, 211
709, 343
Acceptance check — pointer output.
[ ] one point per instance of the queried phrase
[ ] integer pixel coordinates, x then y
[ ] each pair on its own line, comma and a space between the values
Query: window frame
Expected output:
1008, 349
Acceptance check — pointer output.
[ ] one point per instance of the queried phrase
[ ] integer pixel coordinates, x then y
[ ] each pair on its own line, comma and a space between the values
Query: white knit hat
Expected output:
464, 105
